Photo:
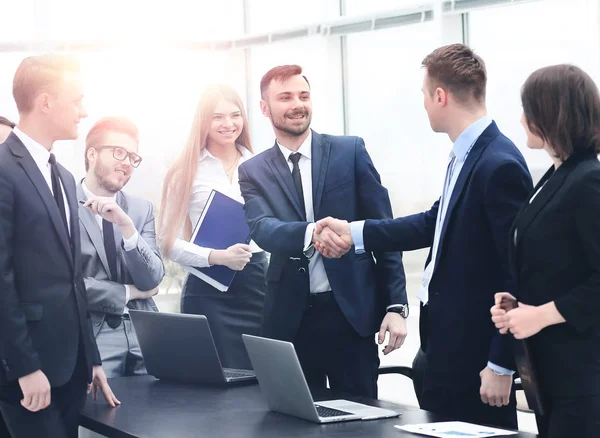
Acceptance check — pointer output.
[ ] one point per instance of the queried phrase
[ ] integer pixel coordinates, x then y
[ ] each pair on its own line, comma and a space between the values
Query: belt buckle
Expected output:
113, 321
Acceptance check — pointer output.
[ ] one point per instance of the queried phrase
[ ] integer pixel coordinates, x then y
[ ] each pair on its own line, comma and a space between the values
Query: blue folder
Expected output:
221, 224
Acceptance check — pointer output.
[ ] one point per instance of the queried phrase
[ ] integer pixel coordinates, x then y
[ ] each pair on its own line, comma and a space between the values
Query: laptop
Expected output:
283, 384
180, 347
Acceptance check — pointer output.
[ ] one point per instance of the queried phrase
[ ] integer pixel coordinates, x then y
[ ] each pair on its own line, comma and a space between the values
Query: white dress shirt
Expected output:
316, 269
210, 175
40, 156
128, 244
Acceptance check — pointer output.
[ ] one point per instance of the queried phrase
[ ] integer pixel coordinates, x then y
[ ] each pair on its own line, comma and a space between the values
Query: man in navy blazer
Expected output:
468, 367
329, 309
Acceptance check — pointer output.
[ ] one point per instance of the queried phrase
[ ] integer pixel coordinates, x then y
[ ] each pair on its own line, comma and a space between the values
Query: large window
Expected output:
320, 59
18, 21
157, 90
385, 107
533, 35
274, 15
143, 22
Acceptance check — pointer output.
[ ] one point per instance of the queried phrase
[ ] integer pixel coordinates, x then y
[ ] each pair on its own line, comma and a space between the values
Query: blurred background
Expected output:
151, 60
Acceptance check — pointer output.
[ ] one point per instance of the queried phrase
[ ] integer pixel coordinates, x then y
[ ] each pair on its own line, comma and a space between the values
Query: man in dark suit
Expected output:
468, 365
122, 267
6, 127
329, 309
47, 349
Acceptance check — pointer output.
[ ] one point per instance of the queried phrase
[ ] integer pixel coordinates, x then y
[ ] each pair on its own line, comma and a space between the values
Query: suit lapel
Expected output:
321, 149
464, 176
33, 173
553, 181
88, 220
283, 174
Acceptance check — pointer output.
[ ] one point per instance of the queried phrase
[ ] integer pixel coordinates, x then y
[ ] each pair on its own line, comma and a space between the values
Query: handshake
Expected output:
332, 237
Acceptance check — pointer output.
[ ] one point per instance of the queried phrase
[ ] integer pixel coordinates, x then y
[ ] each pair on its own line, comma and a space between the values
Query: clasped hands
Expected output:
332, 237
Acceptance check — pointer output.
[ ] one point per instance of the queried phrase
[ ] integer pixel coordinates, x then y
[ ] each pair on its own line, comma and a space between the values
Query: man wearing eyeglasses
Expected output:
122, 266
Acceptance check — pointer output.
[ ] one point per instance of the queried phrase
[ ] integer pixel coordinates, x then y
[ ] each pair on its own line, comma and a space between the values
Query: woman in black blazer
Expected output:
555, 252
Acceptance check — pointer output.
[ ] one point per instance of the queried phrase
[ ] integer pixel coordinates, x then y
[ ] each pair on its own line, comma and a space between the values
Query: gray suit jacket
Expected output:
142, 266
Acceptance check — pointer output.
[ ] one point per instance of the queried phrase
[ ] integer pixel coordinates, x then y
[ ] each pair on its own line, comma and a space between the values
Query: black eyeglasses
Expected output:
120, 154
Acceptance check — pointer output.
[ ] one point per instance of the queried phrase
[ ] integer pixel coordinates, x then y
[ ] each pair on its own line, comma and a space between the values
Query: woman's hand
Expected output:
235, 257
525, 320
498, 313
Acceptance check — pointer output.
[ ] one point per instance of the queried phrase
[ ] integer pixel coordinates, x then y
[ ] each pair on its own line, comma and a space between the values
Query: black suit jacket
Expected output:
43, 305
556, 257
346, 186
472, 260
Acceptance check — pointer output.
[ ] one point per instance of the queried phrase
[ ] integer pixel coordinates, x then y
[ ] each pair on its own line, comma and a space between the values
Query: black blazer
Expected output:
556, 257
345, 185
43, 305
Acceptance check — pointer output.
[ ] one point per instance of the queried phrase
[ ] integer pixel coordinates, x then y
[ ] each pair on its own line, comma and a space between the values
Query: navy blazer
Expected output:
43, 304
472, 260
346, 186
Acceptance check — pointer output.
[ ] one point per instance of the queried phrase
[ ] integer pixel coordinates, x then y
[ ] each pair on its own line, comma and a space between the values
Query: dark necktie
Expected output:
110, 247
294, 158
57, 191
108, 234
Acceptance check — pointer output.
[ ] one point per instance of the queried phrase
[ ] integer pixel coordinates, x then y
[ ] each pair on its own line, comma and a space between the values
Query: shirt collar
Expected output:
246, 154
304, 149
89, 194
468, 137
39, 153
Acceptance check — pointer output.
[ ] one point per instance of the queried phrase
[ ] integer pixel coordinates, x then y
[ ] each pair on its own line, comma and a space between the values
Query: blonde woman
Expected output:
218, 143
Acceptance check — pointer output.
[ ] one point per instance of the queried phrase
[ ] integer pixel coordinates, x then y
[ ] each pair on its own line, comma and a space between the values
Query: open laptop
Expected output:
181, 348
283, 384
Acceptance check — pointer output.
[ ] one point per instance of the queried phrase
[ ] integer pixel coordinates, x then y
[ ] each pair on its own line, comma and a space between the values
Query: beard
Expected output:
102, 173
296, 130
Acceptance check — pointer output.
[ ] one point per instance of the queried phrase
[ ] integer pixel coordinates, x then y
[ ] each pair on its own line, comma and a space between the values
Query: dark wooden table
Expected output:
155, 409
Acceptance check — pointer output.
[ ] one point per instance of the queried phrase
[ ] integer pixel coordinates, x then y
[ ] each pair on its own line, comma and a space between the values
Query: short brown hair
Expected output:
562, 106
458, 69
109, 124
40, 73
279, 73
4, 121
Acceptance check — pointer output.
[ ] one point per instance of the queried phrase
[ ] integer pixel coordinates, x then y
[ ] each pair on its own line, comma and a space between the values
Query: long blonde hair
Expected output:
177, 187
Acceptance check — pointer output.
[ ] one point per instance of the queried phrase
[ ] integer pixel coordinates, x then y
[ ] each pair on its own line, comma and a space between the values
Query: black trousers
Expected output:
329, 348
233, 313
570, 417
465, 404
457, 403
59, 420
4, 433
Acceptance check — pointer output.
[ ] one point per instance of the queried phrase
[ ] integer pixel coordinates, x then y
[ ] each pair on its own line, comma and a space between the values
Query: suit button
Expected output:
302, 270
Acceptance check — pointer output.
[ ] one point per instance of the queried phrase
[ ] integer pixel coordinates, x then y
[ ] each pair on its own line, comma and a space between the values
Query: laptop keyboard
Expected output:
324, 412
237, 374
